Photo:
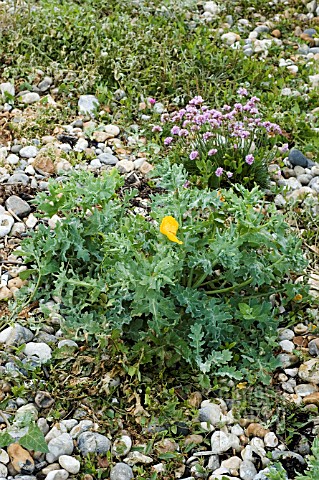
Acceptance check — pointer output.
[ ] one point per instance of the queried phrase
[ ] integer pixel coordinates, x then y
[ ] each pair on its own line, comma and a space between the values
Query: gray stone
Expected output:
67, 343
210, 413
16, 335
314, 347
287, 346
122, 446
314, 50
7, 87
61, 445
287, 359
108, 159
40, 350
304, 179
30, 97
310, 31
30, 409
87, 104
3, 470
304, 389
57, 475
28, 152
309, 371
70, 464
221, 442
18, 178
83, 426
286, 334
135, 458
18, 206
6, 223
121, 471
95, 163
296, 157
12, 159
247, 470
92, 442
45, 84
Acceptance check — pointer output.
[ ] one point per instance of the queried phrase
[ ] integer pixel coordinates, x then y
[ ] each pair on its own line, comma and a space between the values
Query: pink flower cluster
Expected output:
234, 127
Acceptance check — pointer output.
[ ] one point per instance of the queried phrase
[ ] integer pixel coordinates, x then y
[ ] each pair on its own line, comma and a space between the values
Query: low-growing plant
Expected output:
222, 147
190, 280
24, 431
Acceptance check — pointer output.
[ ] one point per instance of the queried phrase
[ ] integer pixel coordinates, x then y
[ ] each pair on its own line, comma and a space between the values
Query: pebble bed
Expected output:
238, 446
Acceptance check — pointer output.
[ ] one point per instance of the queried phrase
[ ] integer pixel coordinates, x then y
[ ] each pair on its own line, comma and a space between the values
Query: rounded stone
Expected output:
92, 442
271, 440
314, 347
309, 371
70, 464
122, 446
121, 471
6, 224
247, 470
210, 413
57, 475
286, 334
287, 346
40, 350
28, 152
62, 445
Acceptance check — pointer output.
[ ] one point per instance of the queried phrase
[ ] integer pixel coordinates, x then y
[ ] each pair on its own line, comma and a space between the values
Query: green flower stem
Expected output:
190, 277
229, 289
200, 280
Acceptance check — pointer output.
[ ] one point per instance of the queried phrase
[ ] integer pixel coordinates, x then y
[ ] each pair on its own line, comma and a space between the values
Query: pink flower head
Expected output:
152, 101
284, 148
249, 159
194, 155
175, 130
183, 132
157, 128
212, 151
219, 172
206, 136
196, 100
168, 140
229, 174
242, 92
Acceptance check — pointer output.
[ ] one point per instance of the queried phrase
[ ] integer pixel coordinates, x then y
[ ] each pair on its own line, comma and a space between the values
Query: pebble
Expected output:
125, 166
296, 157
88, 104
122, 446
20, 458
309, 371
70, 464
4, 457
221, 442
62, 445
135, 458
18, 206
247, 470
271, 440
287, 346
286, 334
211, 413
28, 152
6, 224
57, 475
92, 442
7, 87
287, 359
18, 178
121, 471
108, 159
40, 350
230, 38
16, 335
313, 347
82, 426
304, 389
30, 97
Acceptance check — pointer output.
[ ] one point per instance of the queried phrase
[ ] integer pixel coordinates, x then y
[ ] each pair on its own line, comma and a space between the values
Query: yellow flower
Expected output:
297, 297
169, 227
241, 385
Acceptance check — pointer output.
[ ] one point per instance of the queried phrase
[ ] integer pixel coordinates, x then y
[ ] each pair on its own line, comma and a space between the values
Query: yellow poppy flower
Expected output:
169, 227
241, 385
297, 297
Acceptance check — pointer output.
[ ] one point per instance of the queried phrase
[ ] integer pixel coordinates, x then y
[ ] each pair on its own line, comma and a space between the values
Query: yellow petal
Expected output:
169, 227
241, 385
173, 238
